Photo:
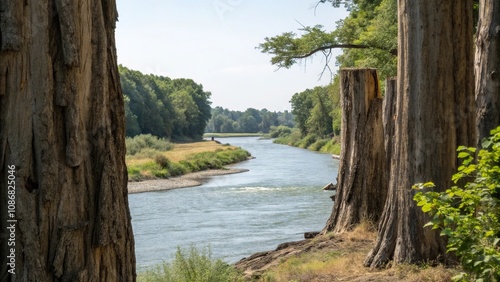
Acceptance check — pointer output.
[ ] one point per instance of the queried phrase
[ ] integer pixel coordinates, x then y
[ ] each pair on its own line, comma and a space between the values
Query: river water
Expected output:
276, 201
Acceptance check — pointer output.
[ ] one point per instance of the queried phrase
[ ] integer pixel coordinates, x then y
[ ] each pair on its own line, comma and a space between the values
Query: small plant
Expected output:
469, 213
192, 265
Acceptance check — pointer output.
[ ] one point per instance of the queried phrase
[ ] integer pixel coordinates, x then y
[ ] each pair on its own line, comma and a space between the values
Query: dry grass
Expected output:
342, 260
182, 151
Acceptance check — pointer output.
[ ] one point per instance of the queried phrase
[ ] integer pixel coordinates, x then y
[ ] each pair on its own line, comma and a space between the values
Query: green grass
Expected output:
161, 166
191, 265
311, 142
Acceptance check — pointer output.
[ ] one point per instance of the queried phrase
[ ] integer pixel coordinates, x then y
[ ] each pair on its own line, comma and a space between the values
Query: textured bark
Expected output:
362, 180
487, 68
389, 119
62, 126
434, 115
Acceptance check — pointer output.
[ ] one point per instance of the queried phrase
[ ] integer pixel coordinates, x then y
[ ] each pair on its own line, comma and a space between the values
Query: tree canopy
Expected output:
164, 107
368, 37
250, 121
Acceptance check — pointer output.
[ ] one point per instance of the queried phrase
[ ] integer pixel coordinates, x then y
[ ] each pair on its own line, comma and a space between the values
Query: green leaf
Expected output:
463, 155
426, 208
489, 233
447, 231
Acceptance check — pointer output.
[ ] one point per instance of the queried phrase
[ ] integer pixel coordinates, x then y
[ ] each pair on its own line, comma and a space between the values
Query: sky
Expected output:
214, 43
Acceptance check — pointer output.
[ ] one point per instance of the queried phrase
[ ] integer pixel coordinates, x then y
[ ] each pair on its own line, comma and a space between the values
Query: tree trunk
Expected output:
389, 120
362, 182
487, 68
62, 127
434, 115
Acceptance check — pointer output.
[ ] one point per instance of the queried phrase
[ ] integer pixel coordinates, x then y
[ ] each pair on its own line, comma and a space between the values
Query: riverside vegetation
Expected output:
150, 157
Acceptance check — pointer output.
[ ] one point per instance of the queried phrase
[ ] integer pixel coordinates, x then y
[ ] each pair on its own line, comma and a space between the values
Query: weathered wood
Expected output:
434, 114
62, 126
362, 182
389, 118
487, 68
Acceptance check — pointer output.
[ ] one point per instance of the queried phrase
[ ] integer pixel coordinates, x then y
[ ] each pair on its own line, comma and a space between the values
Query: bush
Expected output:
469, 213
279, 131
192, 265
316, 146
141, 142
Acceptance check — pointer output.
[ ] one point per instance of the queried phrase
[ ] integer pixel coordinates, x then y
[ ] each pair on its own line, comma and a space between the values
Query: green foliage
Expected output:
145, 142
469, 212
310, 142
316, 110
368, 37
279, 131
249, 121
192, 265
214, 160
175, 109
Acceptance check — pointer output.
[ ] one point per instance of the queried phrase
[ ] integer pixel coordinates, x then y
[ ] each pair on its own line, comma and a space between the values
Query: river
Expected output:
276, 201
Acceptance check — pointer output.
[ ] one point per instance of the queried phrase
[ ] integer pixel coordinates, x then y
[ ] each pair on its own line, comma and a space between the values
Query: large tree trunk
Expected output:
362, 179
487, 68
62, 127
434, 114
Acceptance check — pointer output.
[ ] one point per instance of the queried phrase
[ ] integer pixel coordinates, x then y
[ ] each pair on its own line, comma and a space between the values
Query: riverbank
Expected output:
182, 159
183, 181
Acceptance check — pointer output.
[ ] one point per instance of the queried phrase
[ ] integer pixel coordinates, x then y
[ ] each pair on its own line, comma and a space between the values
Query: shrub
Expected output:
308, 140
469, 213
192, 265
138, 143
316, 146
279, 131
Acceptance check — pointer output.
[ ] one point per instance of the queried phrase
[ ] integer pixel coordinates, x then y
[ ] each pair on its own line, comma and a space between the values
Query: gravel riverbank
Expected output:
183, 181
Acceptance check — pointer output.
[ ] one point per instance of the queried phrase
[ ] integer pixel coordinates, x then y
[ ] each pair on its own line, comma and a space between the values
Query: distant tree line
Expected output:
249, 121
177, 109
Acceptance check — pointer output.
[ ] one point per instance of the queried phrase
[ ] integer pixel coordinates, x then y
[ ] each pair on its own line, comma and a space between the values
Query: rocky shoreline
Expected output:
183, 181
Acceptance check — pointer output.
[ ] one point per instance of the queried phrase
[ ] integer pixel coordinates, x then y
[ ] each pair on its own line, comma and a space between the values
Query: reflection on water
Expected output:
278, 200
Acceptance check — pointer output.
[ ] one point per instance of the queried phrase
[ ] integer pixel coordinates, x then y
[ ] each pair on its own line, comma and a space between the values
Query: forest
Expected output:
249, 121
176, 109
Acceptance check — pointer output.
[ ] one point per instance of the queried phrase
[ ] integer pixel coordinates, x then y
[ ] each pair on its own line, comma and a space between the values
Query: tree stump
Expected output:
362, 180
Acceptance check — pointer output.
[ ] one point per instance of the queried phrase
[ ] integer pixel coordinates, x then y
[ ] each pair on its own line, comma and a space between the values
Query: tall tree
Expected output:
434, 114
487, 62
362, 178
62, 128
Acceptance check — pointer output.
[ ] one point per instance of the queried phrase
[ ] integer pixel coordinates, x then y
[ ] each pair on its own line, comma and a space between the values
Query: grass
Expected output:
310, 142
343, 259
222, 135
182, 159
191, 265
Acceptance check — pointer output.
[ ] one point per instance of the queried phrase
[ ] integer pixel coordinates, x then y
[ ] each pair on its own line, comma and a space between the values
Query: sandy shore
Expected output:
187, 180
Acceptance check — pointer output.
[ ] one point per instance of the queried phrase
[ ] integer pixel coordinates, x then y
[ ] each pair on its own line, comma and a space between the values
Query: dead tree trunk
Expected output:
362, 182
487, 68
434, 115
62, 136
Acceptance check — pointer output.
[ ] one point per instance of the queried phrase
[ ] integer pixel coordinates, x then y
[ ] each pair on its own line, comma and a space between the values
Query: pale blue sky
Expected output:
213, 42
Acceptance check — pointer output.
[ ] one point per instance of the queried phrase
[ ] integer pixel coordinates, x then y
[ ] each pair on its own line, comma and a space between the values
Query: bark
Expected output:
362, 182
62, 126
487, 68
434, 115
389, 119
